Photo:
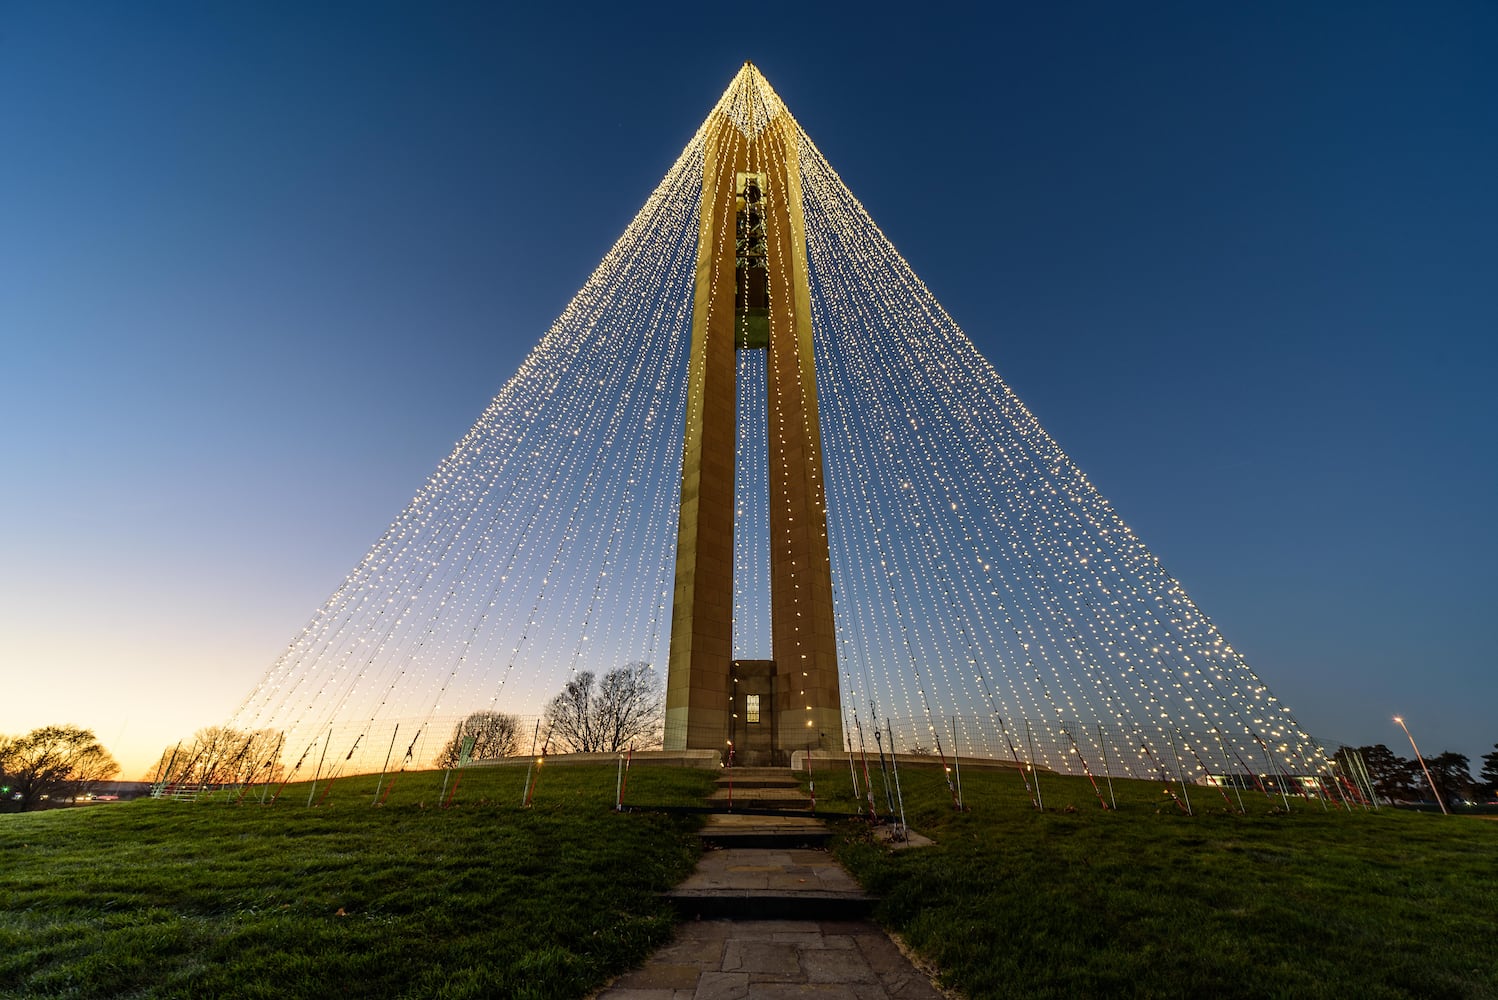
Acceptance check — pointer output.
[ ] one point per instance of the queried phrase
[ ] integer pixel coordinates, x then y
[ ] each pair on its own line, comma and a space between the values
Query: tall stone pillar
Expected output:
752, 293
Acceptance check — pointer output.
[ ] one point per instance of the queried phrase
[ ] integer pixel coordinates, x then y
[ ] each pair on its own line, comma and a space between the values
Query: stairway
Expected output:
772, 790
766, 856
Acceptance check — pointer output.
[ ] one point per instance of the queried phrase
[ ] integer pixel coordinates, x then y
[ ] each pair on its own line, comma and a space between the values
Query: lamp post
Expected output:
1433, 790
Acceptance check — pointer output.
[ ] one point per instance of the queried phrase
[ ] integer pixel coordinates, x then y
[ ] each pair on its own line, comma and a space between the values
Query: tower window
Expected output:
751, 707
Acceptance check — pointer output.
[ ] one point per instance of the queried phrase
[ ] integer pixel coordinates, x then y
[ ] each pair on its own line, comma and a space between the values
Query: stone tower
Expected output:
752, 294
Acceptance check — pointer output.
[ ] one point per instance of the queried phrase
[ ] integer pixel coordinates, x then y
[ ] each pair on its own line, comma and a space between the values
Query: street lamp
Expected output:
1433, 790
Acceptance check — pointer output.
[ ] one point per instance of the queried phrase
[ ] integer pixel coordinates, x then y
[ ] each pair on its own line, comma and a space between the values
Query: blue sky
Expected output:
260, 265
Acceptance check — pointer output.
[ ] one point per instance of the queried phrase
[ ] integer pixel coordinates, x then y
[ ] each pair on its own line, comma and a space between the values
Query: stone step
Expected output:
739, 781
775, 958
760, 884
773, 807
769, 794
761, 773
778, 831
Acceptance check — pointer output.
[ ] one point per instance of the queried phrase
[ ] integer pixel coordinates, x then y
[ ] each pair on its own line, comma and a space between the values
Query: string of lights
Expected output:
986, 595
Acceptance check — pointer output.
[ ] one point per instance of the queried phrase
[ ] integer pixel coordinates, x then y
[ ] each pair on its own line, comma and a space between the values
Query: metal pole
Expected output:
946, 772
957, 763
525, 796
410, 749
337, 772
852, 774
895, 763
1320, 788
320, 760
1227, 766
167, 773
1342, 771
256, 767
1339, 780
1433, 789
868, 781
1348, 769
1034, 774
1362, 768
271, 764
1279, 780
192, 765
386, 766
1207, 773
286, 780
1107, 768
889, 801
530, 793
811, 780
625, 787
1085, 769
1164, 777
1180, 772
1253, 775
235, 765
1023, 776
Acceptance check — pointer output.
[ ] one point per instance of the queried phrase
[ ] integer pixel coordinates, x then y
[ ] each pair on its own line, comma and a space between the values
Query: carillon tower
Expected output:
752, 294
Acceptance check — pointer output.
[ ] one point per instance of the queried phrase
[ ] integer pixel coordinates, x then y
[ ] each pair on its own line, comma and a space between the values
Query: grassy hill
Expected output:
1144, 901
209, 899
486, 899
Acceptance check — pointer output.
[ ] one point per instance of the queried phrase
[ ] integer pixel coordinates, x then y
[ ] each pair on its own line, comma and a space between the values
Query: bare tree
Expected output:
622, 710
54, 762
494, 735
218, 755
569, 716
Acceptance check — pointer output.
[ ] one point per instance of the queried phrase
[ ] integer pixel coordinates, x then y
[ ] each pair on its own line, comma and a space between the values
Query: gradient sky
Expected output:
261, 264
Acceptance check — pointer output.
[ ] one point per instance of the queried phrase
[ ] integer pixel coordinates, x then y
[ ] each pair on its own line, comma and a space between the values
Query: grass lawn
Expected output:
210, 899
1146, 902
485, 899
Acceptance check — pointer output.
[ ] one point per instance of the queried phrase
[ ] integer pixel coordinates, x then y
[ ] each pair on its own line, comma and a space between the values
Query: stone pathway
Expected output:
768, 914
772, 959
766, 883
750, 869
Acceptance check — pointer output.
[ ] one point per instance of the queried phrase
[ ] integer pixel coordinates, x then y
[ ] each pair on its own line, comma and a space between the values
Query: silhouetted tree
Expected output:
54, 762
622, 710
494, 734
1452, 775
1393, 776
1489, 772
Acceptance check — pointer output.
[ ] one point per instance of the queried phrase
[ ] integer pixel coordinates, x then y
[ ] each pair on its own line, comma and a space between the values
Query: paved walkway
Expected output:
758, 871
749, 869
774, 959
